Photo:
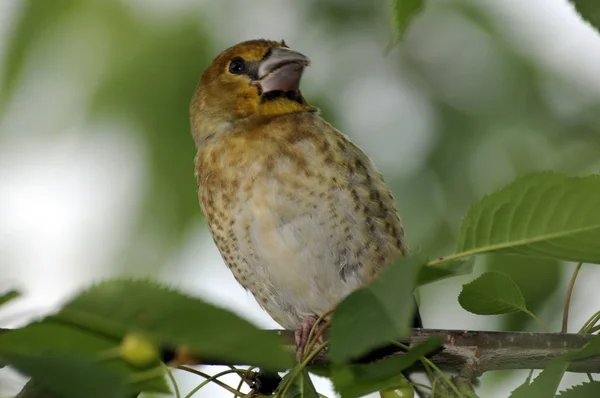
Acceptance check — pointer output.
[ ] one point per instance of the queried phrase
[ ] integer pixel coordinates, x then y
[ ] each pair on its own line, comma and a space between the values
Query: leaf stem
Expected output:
173, 381
538, 320
594, 329
565, 320
296, 371
590, 323
210, 378
313, 330
427, 362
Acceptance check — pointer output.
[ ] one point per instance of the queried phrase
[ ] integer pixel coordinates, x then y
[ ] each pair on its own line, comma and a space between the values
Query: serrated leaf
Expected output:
9, 296
404, 11
589, 10
70, 377
172, 318
492, 294
433, 273
358, 380
302, 386
546, 383
525, 272
543, 215
50, 340
584, 390
375, 314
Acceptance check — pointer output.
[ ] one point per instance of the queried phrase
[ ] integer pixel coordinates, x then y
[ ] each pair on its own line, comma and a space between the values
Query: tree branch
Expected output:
477, 351
484, 351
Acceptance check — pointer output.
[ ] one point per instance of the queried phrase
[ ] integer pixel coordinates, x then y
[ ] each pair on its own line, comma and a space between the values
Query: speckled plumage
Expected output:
299, 213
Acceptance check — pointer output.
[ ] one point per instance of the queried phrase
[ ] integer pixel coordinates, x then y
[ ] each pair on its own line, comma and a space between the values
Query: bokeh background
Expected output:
96, 172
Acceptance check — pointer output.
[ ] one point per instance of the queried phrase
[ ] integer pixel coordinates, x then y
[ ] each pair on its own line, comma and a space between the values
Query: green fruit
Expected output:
138, 350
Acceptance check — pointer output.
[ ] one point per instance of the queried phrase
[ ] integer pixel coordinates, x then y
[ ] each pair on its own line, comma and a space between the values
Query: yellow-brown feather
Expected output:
299, 213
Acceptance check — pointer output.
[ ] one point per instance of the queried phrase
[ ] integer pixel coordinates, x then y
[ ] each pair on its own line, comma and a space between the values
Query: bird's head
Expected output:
253, 79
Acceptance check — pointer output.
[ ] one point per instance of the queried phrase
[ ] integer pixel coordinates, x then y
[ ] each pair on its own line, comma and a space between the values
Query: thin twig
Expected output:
590, 323
565, 320
299, 368
210, 378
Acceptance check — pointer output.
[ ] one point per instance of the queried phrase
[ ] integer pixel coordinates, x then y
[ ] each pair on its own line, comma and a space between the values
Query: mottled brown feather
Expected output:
299, 213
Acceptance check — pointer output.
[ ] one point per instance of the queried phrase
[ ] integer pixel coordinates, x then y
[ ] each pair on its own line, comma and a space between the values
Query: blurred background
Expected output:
96, 157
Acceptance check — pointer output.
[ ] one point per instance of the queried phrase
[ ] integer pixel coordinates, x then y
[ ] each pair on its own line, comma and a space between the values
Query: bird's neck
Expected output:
207, 127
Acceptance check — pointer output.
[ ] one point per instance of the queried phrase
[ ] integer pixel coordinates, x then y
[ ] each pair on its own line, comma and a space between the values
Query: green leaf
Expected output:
404, 11
71, 377
591, 349
589, 10
433, 273
584, 390
172, 318
302, 386
546, 383
50, 341
375, 314
9, 296
525, 272
542, 215
492, 294
358, 380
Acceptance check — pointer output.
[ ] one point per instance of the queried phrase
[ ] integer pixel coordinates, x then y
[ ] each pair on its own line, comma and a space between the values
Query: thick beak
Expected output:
281, 70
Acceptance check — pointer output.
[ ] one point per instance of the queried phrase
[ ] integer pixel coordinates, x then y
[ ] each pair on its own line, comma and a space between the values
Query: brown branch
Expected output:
484, 351
477, 351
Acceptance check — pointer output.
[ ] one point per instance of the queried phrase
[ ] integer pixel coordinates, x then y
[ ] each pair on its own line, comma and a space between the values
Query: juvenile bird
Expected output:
299, 213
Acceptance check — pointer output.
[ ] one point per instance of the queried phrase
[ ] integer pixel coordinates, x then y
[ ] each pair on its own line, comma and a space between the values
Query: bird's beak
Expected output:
281, 70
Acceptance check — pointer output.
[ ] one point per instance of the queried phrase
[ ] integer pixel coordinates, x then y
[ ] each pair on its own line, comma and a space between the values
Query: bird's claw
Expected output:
302, 334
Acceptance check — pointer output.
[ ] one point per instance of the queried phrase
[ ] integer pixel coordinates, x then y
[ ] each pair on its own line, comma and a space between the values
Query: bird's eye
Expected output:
237, 66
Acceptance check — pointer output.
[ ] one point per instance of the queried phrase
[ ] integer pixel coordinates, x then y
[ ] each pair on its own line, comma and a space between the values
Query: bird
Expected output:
299, 213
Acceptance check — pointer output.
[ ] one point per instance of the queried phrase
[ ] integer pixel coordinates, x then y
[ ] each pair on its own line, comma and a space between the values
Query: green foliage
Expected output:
151, 71
87, 334
585, 390
69, 377
67, 347
546, 383
543, 214
119, 306
589, 10
491, 294
403, 12
433, 273
148, 83
376, 314
302, 386
36, 19
358, 380
156, 98
9, 296
525, 272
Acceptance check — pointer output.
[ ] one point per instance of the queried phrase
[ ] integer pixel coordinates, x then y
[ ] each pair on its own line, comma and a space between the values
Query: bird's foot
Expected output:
302, 338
